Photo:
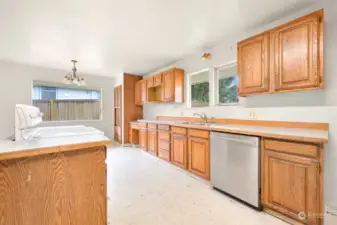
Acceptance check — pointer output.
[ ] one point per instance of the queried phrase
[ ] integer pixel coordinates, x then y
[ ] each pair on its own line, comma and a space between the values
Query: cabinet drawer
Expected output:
163, 127
164, 145
198, 133
178, 130
157, 80
164, 135
149, 82
164, 154
152, 126
144, 125
309, 150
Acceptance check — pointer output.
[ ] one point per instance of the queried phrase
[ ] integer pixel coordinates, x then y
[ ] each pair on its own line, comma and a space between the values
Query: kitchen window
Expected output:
64, 103
227, 84
199, 89
214, 86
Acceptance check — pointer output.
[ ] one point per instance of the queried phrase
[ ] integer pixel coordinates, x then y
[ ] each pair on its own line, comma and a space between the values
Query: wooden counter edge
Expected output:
53, 149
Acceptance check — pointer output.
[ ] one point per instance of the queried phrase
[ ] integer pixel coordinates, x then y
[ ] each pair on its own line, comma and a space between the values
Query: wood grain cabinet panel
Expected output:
291, 185
199, 157
157, 80
168, 86
179, 150
61, 188
143, 91
143, 138
152, 141
138, 93
253, 65
149, 82
296, 54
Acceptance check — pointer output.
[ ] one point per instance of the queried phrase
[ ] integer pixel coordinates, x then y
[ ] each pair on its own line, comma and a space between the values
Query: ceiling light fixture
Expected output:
206, 56
72, 78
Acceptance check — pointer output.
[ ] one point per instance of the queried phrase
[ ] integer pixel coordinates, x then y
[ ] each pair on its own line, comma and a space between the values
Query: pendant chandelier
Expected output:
72, 78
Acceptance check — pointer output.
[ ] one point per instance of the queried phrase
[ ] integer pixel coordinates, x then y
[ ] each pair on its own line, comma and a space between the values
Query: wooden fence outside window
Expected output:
61, 110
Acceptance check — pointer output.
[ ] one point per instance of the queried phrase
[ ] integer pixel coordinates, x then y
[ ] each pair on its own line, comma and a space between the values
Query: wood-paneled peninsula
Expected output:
54, 181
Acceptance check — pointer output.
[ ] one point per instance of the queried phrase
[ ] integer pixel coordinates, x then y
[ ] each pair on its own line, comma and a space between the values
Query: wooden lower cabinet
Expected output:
143, 138
59, 188
152, 141
179, 150
199, 157
291, 183
164, 144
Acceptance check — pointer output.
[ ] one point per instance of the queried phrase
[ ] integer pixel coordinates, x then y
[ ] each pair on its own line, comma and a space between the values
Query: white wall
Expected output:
305, 106
16, 88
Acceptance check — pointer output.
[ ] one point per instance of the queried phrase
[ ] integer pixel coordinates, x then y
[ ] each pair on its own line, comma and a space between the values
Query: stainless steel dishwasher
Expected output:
235, 166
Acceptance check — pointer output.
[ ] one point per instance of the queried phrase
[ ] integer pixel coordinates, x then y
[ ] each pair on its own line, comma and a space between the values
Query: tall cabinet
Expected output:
125, 109
118, 105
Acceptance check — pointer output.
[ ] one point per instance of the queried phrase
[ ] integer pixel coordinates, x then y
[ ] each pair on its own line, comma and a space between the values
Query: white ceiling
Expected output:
109, 37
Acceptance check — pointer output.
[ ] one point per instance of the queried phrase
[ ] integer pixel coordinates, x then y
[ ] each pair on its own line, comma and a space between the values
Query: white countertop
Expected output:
7, 146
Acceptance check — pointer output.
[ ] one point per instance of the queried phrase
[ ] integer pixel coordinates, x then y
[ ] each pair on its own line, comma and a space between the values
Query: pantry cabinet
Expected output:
179, 147
291, 179
286, 58
199, 153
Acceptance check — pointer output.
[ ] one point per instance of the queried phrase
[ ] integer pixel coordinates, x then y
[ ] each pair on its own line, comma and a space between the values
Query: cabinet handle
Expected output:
29, 177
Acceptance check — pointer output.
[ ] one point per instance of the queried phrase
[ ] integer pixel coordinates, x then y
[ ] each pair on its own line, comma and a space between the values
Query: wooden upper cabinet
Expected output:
291, 185
297, 53
143, 91
253, 65
138, 93
149, 82
286, 58
157, 80
168, 86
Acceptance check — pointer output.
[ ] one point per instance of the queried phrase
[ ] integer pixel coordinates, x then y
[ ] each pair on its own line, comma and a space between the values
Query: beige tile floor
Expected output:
144, 190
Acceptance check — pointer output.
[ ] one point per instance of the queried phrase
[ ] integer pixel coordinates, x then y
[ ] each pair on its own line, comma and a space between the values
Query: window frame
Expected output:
189, 86
216, 83
213, 87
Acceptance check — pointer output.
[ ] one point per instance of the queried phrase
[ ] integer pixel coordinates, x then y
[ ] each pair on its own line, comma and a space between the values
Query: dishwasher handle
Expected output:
249, 140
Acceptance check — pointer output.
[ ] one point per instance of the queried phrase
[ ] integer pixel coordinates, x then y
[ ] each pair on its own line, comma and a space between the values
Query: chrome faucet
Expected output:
203, 116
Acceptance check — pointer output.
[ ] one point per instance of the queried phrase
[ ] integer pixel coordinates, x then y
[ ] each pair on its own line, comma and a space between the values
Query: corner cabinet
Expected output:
292, 182
253, 65
286, 58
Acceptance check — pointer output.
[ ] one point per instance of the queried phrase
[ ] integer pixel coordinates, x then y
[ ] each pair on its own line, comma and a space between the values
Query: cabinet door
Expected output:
32, 190
296, 56
157, 80
168, 86
164, 145
290, 185
143, 139
198, 155
253, 65
149, 82
179, 150
143, 91
152, 141
138, 93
